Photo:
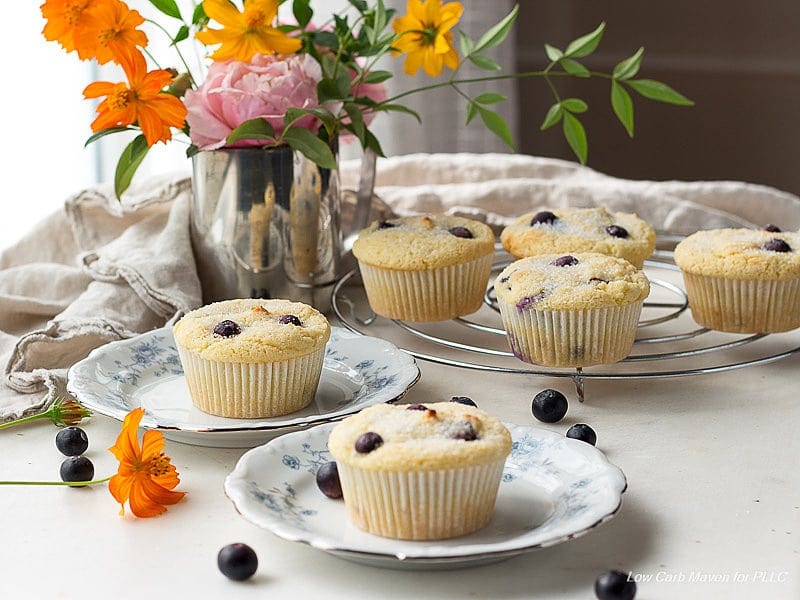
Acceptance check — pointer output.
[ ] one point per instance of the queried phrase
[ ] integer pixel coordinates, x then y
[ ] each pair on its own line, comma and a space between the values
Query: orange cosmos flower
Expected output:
63, 18
108, 31
141, 101
145, 477
246, 33
425, 36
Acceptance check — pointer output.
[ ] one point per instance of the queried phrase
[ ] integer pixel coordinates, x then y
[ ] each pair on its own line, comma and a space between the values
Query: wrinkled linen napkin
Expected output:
97, 271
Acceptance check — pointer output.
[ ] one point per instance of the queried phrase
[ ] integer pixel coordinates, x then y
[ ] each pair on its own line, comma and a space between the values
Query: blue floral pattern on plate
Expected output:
358, 371
553, 489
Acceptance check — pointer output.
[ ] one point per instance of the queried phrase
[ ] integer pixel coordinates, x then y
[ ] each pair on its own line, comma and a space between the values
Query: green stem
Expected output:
28, 419
63, 483
177, 50
442, 84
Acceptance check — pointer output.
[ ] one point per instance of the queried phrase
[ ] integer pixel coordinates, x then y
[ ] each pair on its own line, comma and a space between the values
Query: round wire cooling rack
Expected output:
479, 342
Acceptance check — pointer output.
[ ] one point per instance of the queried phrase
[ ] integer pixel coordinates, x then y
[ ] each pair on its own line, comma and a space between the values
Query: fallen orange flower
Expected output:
146, 477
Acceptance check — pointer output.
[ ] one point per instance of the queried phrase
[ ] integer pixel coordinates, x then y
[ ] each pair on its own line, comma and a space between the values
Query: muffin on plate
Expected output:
420, 472
569, 230
742, 280
252, 358
573, 310
428, 268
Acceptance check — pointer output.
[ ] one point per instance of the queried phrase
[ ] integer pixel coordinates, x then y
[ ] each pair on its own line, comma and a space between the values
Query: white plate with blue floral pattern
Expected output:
553, 489
358, 371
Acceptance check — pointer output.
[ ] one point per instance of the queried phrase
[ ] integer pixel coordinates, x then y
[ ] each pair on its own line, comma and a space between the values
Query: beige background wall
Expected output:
738, 60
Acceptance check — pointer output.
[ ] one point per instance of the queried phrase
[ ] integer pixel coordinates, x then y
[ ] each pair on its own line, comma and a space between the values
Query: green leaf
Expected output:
586, 44
553, 53
130, 159
623, 106
327, 39
472, 112
323, 114
489, 98
168, 7
575, 135
199, 15
343, 82
360, 5
327, 90
183, 33
105, 132
497, 33
373, 144
465, 42
254, 129
310, 146
628, 67
191, 150
400, 108
655, 90
573, 67
496, 125
574, 105
377, 76
484, 62
554, 114
302, 12
356, 122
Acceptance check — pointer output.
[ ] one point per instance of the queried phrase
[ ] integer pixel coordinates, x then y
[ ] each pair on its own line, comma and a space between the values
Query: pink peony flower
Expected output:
235, 92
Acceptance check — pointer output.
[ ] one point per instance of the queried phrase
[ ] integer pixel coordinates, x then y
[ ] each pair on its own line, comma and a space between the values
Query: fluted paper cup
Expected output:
571, 338
427, 295
252, 390
744, 305
421, 505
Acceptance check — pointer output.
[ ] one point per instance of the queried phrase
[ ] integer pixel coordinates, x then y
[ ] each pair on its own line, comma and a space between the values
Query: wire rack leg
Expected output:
580, 384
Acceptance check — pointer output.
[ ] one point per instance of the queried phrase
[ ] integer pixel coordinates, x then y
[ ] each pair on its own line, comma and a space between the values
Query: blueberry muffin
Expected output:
570, 230
573, 310
428, 268
742, 280
252, 358
420, 472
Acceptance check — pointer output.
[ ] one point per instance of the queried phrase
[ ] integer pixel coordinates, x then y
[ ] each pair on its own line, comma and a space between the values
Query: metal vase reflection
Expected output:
266, 224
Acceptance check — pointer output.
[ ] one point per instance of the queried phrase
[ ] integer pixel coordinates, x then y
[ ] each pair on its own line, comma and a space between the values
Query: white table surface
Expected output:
712, 509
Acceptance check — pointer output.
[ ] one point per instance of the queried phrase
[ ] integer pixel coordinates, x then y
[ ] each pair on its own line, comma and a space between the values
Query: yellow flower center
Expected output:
120, 100
74, 11
254, 20
158, 466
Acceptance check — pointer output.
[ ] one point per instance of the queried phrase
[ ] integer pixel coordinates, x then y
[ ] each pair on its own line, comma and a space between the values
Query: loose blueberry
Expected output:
461, 232
367, 442
237, 561
549, 406
772, 228
227, 328
543, 217
416, 407
617, 231
77, 468
777, 245
464, 400
72, 441
614, 585
565, 261
465, 431
385, 225
328, 480
582, 432
289, 319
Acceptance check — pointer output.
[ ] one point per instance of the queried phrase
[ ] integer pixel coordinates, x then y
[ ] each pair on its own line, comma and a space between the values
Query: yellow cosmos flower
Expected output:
245, 33
424, 35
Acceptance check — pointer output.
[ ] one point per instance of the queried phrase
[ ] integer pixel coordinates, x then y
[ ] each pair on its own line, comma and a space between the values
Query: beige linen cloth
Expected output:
97, 271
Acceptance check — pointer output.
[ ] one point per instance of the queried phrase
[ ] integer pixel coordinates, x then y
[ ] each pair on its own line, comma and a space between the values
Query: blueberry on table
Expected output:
237, 561
464, 400
227, 328
72, 441
367, 442
77, 468
614, 585
582, 432
328, 480
549, 406
290, 320
777, 245
565, 261
543, 217
617, 231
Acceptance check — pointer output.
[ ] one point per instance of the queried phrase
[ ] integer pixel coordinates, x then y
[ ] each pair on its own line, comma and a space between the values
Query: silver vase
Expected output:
266, 223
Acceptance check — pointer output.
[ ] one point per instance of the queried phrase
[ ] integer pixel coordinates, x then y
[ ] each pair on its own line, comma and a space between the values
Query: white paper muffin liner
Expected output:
427, 295
421, 505
252, 390
571, 338
742, 305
